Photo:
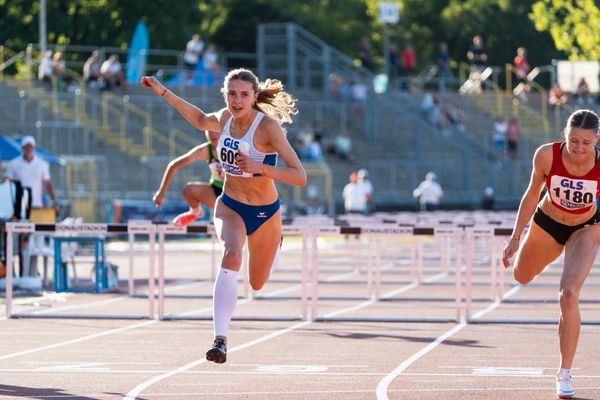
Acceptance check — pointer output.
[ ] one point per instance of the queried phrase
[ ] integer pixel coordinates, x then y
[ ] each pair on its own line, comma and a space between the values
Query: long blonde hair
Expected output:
271, 100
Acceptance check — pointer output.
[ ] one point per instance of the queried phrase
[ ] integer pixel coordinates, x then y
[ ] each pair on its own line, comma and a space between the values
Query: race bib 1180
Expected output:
572, 193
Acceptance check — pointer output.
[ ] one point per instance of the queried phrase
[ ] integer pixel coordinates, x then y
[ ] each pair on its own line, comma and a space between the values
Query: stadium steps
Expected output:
533, 124
68, 138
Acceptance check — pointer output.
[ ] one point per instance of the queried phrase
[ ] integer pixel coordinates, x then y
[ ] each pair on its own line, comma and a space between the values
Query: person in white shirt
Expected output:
112, 72
46, 68
211, 59
193, 52
33, 172
365, 185
499, 136
356, 196
429, 192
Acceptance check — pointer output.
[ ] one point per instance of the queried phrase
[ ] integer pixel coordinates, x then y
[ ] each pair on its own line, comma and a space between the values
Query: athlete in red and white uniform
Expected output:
565, 219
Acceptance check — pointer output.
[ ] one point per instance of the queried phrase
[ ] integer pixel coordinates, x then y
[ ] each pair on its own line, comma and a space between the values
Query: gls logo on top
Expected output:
232, 144
570, 184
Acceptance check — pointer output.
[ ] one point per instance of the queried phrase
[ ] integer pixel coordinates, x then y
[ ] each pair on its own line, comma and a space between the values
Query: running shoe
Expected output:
185, 218
218, 352
564, 387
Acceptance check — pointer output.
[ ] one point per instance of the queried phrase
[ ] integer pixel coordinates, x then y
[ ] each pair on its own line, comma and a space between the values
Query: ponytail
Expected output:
275, 102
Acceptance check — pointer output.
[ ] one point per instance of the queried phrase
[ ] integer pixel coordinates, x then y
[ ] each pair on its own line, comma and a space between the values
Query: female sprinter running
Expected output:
251, 139
195, 193
566, 218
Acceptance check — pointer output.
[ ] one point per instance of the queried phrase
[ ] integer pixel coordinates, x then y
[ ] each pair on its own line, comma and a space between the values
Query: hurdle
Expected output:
92, 230
287, 230
374, 276
498, 283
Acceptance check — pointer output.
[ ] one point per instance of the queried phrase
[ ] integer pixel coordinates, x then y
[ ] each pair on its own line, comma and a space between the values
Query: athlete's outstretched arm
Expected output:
292, 174
542, 160
197, 153
190, 112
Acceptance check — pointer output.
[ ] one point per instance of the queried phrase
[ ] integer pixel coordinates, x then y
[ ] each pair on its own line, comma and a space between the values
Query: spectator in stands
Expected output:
210, 59
46, 68
477, 55
521, 64
311, 150
513, 132
428, 104
193, 52
356, 197
443, 65
365, 54
112, 73
393, 64
340, 89
429, 192
248, 210
91, 70
435, 112
313, 205
60, 71
556, 97
499, 137
564, 221
362, 180
457, 117
522, 70
488, 200
582, 93
196, 194
359, 90
409, 65
343, 145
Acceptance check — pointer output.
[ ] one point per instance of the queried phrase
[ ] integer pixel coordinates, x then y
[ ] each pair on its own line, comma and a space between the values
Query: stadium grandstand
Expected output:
102, 133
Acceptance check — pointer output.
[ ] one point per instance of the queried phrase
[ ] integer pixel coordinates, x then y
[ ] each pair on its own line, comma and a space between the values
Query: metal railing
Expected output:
302, 60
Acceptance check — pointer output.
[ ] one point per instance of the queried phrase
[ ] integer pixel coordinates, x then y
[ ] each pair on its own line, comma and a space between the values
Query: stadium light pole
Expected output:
42, 26
388, 14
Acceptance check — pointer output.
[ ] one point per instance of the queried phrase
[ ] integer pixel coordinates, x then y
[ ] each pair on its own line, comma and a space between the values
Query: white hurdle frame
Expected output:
210, 230
75, 230
374, 287
498, 283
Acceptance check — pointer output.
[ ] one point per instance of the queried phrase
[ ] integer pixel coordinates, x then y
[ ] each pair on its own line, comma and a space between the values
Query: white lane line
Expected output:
382, 386
132, 395
78, 340
107, 371
194, 395
94, 336
85, 305
385, 296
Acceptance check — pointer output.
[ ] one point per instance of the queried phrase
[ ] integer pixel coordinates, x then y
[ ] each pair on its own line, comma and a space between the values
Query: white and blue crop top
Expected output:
228, 149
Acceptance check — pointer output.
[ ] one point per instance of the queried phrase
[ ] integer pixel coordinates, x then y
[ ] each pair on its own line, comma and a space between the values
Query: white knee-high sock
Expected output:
224, 300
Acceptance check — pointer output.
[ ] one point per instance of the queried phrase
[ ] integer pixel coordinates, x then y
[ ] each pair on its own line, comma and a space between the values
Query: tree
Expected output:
573, 24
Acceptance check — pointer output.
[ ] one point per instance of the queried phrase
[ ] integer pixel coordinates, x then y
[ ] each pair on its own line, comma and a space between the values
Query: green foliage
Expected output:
232, 24
573, 24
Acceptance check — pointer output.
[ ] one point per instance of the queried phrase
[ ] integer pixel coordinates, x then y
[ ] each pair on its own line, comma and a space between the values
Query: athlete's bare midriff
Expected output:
564, 217
256, 191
